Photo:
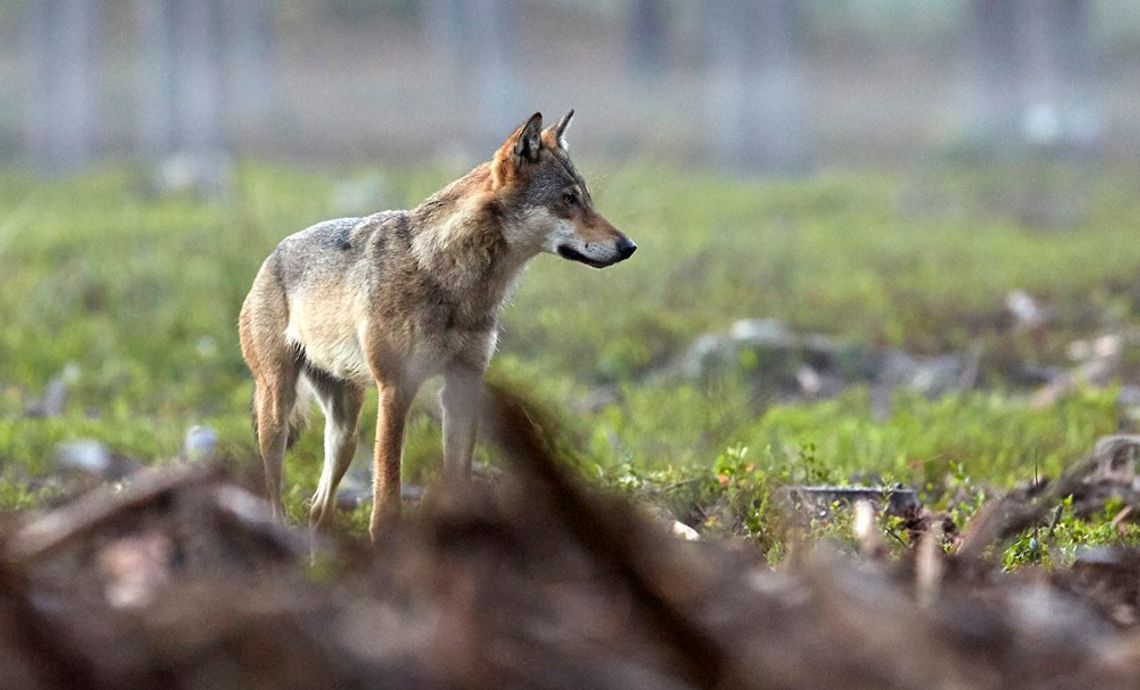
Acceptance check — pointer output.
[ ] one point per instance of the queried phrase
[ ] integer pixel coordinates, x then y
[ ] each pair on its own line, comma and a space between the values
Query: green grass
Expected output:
142, 294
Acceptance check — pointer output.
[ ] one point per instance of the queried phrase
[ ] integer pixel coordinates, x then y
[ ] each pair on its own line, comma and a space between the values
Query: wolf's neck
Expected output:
458, 239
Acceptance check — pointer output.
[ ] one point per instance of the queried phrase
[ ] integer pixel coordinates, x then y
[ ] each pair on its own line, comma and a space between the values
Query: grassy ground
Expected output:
142, 293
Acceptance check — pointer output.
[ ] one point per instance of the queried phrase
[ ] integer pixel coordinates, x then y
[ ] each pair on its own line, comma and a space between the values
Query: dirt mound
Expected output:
181, 580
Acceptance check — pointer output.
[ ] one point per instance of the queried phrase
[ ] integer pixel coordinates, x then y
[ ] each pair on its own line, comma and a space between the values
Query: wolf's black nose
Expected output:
626, 248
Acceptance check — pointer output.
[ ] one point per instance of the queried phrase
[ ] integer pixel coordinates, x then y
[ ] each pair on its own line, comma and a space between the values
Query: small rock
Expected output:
1097, 371
1128, 395
1116, 457
706, 352
762, 332
203, 174
810, 381
683, 531
1128, 400
899, 500
1103, 557
1024, 309
55, 394
1103, 346
200, 444
865, 527
206, 347
356, 487
1028, 374
930, 376
85, 456
779, 361
596, 399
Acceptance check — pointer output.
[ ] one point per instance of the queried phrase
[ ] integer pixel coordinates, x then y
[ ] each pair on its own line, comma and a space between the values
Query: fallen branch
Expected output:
48, 533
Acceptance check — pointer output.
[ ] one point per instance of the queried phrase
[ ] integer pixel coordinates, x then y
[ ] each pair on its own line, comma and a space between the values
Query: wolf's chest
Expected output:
432, 352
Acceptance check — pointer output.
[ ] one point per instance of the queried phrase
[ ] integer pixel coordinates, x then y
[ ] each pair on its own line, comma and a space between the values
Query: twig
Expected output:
1055, 519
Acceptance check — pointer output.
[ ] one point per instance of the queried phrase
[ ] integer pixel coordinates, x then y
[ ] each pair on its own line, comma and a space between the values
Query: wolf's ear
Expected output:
522, 146
555, 135
528, 139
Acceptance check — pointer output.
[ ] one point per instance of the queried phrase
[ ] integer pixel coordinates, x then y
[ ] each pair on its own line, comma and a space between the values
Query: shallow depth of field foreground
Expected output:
897, 433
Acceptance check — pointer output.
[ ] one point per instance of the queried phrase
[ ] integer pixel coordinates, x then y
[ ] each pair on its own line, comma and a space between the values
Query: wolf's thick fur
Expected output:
401, 296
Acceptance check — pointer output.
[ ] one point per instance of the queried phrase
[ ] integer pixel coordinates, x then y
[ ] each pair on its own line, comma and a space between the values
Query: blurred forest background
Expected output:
780, 86
889, 259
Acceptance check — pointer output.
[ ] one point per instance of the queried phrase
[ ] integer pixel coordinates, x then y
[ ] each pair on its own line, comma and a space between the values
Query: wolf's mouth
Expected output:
567, 252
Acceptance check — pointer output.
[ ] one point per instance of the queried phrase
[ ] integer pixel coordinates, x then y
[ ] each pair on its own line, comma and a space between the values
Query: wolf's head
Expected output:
547, 201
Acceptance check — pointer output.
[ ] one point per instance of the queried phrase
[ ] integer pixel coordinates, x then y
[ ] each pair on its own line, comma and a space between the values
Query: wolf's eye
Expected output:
570, 198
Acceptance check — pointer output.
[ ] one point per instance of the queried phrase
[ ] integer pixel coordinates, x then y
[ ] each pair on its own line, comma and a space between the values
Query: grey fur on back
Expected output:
328, 249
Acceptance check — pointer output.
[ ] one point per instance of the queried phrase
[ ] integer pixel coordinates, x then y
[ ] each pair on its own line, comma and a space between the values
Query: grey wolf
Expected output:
398, 297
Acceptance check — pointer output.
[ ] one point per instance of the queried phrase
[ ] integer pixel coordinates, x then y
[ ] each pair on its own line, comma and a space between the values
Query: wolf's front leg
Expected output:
394, 399
461, 399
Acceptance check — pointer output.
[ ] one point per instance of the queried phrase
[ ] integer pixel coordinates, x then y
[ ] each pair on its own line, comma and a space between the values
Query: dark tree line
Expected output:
202, 64
60, 99
206, 67
1035, 74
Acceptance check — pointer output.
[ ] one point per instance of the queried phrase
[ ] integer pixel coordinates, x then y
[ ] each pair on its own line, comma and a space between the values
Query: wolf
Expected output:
398, 297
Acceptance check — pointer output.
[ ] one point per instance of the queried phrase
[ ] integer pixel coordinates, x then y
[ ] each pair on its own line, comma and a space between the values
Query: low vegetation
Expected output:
130, 299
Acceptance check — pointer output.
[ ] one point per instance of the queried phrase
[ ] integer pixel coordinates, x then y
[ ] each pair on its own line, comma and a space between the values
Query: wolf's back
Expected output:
322, 250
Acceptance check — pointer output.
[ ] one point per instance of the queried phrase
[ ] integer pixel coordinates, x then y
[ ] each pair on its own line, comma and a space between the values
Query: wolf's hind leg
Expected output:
460, 402
341, 401
274, 398
275, 365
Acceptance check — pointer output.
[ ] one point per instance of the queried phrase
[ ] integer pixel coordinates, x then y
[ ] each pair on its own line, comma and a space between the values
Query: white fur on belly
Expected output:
341, 357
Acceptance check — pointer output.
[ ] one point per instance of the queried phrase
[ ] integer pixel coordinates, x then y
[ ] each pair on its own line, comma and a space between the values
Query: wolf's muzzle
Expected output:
625, 248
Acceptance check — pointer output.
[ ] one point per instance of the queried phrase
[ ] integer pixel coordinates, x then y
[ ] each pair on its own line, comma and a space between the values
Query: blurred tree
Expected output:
198, 55
475, 41
181, 99
998, 98
1060, 75
251, 86
59, 41
357, 11
647, 25
756, 99
1035, 75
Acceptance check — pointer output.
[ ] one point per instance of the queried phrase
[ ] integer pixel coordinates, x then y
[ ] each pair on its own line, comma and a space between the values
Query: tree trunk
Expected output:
647, 24
475, 40
197, 85
60, 52
999, 97
1035, 75
156, 88
180, 95
757, 97
252, 89
1061, 112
